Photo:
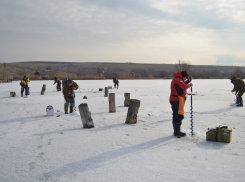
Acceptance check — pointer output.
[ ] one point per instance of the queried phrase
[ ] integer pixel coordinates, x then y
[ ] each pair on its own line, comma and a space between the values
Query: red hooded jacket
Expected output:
178, 87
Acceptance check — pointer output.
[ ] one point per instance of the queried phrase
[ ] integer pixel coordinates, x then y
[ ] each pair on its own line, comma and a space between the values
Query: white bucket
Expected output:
50, 110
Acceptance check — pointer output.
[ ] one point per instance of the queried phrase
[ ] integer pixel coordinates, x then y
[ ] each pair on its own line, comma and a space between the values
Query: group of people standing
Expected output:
179, 85
68, 86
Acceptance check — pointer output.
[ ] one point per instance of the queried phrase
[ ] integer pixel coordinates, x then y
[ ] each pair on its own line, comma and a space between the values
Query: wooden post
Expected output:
43, 89
127, 99
112, 106
133, 109
106, 91
86, 116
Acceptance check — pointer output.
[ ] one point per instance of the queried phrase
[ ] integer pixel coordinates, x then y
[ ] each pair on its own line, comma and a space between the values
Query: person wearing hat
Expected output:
69, 94
239, 87
178, 88
64, 81
24, 85
116, 82
57, 80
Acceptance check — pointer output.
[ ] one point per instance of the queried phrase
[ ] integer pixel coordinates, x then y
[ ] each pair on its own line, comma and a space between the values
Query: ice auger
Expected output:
191, 115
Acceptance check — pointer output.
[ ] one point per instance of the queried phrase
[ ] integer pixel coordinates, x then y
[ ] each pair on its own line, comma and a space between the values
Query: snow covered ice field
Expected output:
35, 147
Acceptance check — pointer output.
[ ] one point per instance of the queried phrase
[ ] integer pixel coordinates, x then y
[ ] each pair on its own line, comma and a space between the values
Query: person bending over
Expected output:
69, 94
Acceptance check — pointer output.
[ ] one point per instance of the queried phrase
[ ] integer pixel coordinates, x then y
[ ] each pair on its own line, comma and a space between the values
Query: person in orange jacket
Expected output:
178, 87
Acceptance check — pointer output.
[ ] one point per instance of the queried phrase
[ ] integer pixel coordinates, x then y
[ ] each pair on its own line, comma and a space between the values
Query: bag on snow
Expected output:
219, 134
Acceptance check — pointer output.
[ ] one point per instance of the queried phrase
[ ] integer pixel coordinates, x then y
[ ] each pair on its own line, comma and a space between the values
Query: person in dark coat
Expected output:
116, 82
57, 80
239, 87
178, 87
69, 94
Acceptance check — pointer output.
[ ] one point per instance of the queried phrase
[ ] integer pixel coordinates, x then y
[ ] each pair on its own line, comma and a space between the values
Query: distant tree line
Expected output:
48, 71
179, 66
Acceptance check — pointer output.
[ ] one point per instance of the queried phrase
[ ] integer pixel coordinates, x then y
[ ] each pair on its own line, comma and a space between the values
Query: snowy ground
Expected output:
34, 147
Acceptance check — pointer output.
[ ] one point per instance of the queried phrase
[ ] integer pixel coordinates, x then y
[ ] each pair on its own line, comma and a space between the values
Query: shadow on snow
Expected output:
97, 161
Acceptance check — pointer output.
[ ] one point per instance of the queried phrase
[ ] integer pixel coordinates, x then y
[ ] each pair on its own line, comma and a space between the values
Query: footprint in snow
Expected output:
31, 165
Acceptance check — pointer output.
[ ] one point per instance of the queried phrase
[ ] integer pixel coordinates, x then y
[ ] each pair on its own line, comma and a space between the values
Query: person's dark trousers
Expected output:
70, 101
239, 98
24, 89
177, 118
58, 87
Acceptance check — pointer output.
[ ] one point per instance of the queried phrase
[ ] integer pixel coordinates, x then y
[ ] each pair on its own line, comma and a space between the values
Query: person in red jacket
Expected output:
178, 88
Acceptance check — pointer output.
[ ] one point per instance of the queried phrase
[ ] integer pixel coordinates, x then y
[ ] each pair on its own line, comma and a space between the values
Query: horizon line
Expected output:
113, 63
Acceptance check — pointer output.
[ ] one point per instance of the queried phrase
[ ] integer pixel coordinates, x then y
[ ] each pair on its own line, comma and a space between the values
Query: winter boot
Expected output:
177, 131
66, 109
71, 109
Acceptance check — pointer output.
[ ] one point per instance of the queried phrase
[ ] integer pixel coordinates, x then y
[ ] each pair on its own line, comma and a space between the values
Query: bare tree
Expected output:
37, 73
182, 66
143, 72
100, 70
48, 67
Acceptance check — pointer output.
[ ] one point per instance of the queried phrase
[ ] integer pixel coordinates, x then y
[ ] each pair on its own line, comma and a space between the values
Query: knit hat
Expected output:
184, 74
69, 81
232, 78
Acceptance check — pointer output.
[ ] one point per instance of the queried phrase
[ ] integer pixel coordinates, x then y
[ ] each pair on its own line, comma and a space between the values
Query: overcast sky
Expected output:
141, 31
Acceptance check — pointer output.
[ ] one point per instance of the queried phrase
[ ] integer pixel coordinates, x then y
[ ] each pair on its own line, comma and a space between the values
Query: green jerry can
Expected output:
219, 134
